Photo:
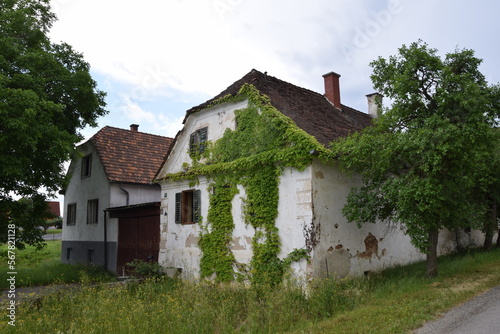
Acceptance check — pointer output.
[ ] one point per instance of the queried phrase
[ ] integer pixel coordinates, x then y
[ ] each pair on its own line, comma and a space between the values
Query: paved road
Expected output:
480, 315
55, 236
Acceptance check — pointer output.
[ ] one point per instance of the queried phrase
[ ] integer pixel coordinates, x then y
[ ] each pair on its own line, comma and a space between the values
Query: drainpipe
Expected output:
126, 192
105, 239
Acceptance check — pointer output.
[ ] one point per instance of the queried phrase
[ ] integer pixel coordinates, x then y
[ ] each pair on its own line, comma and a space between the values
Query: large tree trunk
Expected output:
432, 261
490, 227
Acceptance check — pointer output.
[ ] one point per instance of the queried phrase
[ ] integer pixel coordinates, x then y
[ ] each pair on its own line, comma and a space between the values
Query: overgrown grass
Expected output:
42, 267
395, 301
54, 231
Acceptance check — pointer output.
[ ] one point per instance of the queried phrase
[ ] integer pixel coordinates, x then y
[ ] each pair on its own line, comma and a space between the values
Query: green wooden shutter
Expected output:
178, 203
203, 138
196, 206
192, 143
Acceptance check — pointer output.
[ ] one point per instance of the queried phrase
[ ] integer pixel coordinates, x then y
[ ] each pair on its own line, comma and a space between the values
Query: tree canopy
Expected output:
47, 96
426, 155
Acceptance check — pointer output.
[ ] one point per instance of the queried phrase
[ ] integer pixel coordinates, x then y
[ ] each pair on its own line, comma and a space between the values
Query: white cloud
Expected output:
134, 112
168, 125
159, 50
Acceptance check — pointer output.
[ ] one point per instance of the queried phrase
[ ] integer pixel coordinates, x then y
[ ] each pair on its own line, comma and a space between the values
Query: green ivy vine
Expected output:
253, 156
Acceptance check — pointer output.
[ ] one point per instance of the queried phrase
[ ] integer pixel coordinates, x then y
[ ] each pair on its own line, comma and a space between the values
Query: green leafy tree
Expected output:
420, 160
488, 191
46, 97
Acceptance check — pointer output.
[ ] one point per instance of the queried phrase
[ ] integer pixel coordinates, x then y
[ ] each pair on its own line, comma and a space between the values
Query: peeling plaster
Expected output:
236, 244
371, 247
192, 240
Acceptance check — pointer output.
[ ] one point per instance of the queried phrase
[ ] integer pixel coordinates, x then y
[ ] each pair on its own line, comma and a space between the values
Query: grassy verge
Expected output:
395, 301
42, 267
400, 299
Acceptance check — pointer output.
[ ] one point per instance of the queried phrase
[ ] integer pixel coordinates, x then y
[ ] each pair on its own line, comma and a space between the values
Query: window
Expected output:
71, 214
69, 253
92, 211
187, 207
197, 140
90, 256
86, 165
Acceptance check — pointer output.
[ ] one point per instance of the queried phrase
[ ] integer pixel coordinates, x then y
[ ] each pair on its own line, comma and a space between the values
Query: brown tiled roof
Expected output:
311, 111
130, 156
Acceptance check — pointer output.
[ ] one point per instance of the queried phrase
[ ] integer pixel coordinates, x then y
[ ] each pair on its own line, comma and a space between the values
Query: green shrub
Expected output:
143, 269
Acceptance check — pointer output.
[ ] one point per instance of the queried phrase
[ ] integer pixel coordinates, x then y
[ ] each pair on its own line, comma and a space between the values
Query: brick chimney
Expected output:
134, 127
332, 88
374, 104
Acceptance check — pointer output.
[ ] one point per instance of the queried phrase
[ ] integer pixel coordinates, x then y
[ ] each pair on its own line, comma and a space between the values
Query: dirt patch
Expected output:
470, 286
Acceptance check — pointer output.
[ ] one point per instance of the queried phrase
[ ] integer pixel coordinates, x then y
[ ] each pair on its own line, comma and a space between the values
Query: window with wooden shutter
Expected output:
203, 134
197, 141
187, 207
196, 206
178, 206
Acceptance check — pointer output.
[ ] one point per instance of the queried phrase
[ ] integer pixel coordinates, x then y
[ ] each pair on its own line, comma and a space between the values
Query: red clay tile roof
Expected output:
130, 156
54, 208
311, 111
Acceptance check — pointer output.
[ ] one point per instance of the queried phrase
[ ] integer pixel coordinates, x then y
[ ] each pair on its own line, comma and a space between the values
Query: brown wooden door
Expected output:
138, 238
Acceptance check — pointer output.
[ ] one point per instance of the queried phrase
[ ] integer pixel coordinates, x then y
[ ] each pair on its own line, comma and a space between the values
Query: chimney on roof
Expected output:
134, 127
374, 104
332, 88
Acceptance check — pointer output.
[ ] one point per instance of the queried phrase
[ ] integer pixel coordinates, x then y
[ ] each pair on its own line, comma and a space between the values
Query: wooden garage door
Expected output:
138, 238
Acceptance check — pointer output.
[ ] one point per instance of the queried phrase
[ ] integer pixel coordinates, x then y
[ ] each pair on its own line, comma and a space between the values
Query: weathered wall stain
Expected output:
371, 247
319, 174
192, 240
312, 235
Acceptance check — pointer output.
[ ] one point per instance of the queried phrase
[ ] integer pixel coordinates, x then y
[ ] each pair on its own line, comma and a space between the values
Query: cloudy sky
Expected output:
157, 58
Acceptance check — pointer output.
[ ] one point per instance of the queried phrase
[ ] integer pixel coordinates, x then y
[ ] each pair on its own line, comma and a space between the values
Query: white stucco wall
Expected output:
79, 191
343, 248
179, 245
295, 214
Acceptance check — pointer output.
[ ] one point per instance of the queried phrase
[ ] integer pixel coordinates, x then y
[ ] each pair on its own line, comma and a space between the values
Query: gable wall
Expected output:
179, 247
82, 237
79, 191
217, 119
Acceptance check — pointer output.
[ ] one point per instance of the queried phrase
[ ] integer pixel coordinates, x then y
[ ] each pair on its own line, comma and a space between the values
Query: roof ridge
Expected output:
129, 131
292, 84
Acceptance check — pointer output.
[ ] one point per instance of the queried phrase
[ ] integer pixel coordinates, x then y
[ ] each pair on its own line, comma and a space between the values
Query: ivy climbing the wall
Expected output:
217, 257
253, 156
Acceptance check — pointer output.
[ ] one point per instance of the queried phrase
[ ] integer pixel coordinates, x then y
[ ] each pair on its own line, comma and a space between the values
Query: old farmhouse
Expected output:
249, 189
